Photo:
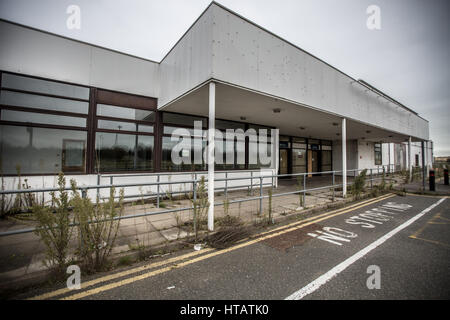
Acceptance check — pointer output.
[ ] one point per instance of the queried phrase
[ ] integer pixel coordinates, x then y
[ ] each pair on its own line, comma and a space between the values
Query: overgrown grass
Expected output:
357, 188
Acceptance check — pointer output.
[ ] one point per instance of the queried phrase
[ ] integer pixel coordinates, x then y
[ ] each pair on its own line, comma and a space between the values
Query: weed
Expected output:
98, 228
53, 228
358, 185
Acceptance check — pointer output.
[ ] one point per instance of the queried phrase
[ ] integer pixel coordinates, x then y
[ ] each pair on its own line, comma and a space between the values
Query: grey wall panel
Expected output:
36, 53
124, 73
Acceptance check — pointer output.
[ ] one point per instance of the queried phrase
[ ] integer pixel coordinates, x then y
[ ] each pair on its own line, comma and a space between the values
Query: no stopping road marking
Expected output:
316, 284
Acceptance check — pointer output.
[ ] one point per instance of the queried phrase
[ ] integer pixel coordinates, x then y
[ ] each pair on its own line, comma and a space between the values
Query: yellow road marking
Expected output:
192, 254
122, 274
431, 241
203, 257
416, 234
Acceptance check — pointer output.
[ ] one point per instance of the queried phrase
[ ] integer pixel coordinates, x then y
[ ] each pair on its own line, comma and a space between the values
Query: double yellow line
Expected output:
204, 254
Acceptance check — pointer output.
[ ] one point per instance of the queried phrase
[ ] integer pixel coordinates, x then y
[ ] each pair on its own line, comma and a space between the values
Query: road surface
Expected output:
392, 247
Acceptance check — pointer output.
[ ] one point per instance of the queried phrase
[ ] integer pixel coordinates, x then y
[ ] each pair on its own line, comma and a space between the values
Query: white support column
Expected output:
211, 158
427, 160
276, 153
344, 157
409, 157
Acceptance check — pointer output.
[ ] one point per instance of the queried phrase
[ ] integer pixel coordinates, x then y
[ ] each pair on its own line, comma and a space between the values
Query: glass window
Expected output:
124, 126
168, 164
32, 117
41, 150
27, 100
171, 130
326, 160
298, 160
298, 140
12, 81
224, 125
123, 152
125, 113
183, 120
255, 160
377, 148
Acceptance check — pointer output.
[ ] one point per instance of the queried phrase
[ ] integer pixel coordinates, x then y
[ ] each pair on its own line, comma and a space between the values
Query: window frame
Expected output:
119, 99
378, 145
49, 112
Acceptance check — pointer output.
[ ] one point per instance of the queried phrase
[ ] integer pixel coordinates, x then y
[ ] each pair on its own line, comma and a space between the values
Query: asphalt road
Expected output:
400, 245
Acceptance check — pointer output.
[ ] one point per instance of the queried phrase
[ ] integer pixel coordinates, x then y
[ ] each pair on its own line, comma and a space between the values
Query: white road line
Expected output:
316, 284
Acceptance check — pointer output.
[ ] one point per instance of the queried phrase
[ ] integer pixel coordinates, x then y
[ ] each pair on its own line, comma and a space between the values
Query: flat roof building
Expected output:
82, 109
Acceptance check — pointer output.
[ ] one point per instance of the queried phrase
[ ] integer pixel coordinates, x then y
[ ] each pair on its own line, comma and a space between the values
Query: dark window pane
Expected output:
41, 102
181, 119
167, 162
124, 152
125, 113
124, 126
299, 140
43, 86
224, 125
32, 117
41, 150
180, 131
326, 158
377, 148
298, 157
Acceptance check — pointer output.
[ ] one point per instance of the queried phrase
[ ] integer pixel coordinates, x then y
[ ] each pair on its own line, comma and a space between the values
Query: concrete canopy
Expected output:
294, 119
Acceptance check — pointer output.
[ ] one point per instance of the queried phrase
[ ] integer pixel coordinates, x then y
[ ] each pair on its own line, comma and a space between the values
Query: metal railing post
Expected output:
333, 181
194, 195
251, 183
98, 183
260, 194
371, 180
157, 190
226, 184
304, 192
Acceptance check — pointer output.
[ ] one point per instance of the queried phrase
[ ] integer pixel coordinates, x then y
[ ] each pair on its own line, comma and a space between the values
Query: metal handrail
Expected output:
194, 182
141, 184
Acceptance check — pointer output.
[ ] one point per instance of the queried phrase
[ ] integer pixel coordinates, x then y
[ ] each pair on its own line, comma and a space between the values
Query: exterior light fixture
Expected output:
335, 124
277, 110
302, 128
368, 131
243, 118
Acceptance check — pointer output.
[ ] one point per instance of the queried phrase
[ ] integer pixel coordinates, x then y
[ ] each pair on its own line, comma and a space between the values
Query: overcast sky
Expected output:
408, 58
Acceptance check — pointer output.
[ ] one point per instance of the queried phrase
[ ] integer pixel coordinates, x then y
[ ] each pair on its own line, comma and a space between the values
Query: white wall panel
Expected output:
188, 64
246, 55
